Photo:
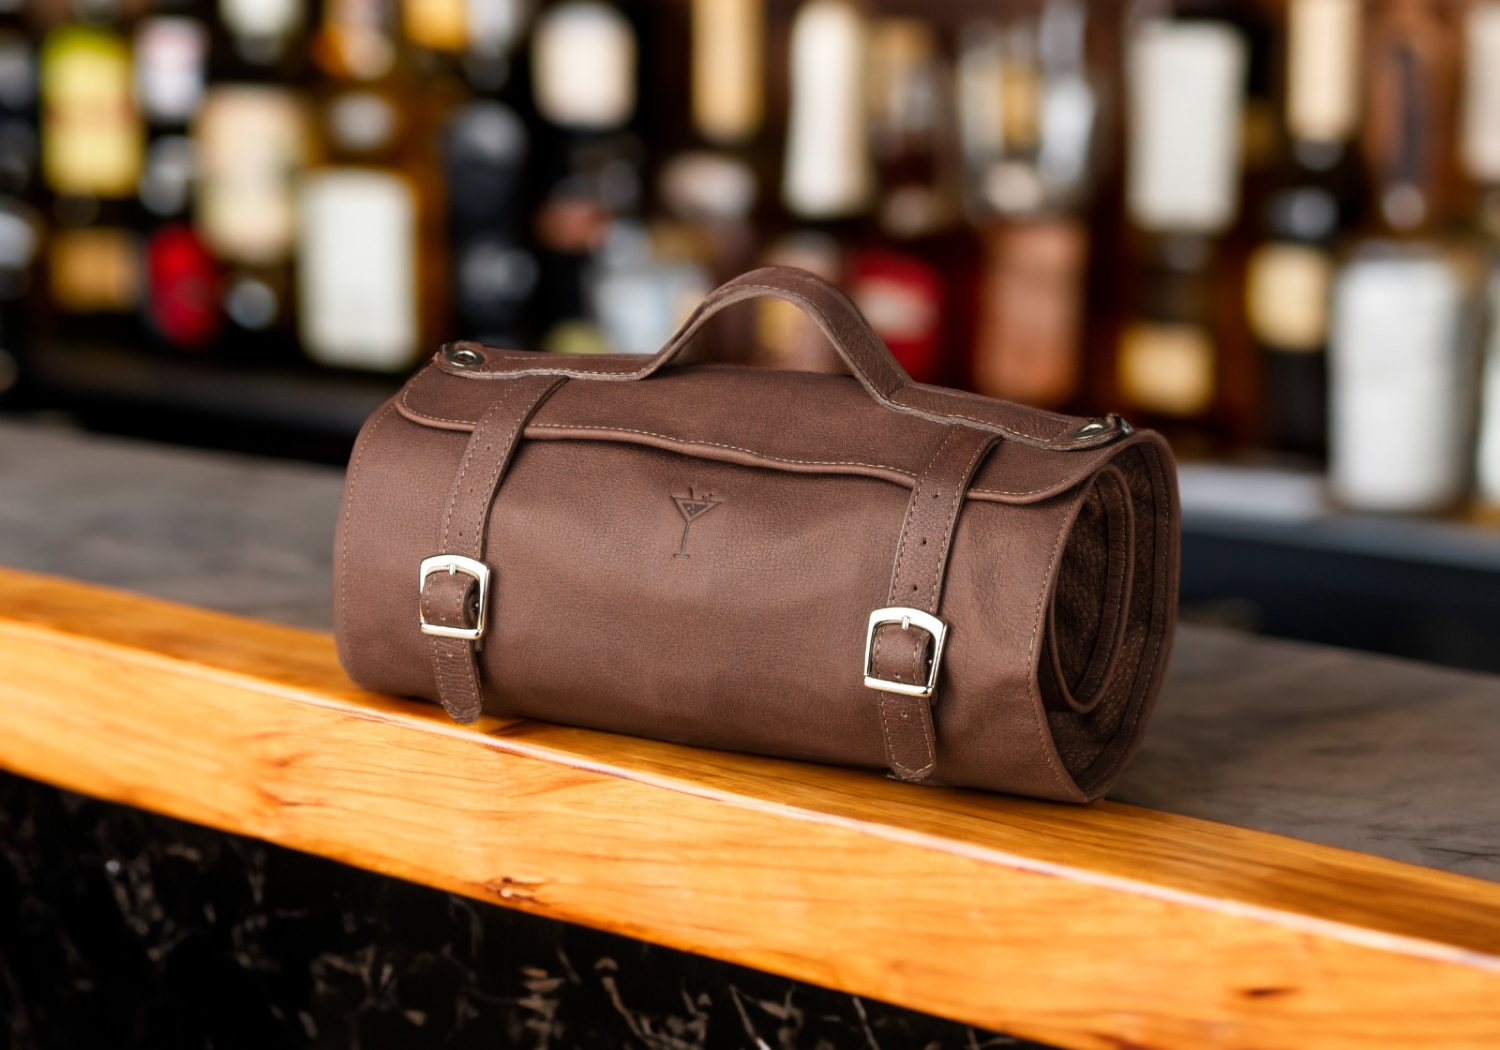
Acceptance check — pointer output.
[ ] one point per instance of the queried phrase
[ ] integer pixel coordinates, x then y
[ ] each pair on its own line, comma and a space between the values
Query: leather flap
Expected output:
795, 421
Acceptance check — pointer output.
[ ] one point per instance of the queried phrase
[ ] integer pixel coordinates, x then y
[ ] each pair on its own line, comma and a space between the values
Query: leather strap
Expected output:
450, 600
900, 654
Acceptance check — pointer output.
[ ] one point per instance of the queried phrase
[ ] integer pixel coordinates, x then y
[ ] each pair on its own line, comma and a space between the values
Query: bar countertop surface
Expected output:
1387, 757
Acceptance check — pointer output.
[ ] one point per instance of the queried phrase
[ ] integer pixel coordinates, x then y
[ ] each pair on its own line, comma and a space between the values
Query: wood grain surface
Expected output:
1387, 757
1102, 926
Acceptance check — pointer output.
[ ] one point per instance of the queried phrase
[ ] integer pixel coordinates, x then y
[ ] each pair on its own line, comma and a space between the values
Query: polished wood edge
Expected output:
1083, 926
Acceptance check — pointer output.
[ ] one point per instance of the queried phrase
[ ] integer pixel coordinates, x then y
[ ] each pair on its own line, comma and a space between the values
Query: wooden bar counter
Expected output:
1305, 854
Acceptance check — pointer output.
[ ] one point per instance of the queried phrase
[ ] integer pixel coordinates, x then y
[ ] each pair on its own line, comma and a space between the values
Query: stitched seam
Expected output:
904, 540
457, 679
917, 493
929, 744
714, 444
486, 496
899, 768
986, 423
349, 516
952, 524
732, 448
442, 677
406, 393
464, 467
1012, 492
885, 731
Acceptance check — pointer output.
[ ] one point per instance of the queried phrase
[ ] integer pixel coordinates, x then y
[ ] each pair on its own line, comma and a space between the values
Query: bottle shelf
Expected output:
302, 412
1264, 549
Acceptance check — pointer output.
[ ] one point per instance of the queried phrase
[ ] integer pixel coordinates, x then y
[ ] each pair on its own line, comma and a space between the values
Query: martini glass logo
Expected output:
692, 507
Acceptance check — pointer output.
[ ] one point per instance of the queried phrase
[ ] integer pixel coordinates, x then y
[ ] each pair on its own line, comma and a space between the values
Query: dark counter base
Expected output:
120, 928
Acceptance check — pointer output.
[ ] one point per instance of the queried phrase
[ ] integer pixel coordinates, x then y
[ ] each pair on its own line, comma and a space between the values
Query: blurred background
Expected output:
1266, 227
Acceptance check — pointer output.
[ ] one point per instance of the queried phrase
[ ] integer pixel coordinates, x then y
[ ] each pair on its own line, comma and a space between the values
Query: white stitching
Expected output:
406, 392
917, 491
779, 459
349, 514
952, 522
973, 490
464, 467
903, 771
732, 448
988, 424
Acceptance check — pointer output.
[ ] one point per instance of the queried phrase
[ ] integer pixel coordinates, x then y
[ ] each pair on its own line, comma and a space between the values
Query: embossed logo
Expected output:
692, 507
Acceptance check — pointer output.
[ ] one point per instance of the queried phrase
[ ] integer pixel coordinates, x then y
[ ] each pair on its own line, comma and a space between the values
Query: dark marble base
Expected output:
122, 929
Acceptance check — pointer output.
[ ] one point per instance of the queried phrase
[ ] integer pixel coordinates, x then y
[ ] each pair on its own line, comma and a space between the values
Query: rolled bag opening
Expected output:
1105, 644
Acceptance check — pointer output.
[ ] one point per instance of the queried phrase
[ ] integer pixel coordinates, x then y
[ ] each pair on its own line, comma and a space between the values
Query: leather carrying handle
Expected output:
835, 314
845, 327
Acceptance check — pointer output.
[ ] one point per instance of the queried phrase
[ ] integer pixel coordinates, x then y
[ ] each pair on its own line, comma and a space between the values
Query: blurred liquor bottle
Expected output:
913, 272
1260, 123
183, 306
21, 225
1029, 123
1177, 346
492, 58
590, 167
252, 138
827, 179
92, 149
258, 40
660, 257
370, 256
1317, 198
486, 149
486, 146
1479, 153
1400, 354
717, 159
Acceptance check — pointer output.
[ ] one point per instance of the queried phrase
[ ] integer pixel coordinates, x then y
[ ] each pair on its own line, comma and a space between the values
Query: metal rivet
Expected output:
464, 357
1095, 427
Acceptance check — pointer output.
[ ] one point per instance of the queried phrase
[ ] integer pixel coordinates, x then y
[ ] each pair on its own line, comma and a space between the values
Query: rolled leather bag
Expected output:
849, 569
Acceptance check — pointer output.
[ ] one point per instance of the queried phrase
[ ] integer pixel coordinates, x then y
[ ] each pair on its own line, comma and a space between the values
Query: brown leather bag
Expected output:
855, 570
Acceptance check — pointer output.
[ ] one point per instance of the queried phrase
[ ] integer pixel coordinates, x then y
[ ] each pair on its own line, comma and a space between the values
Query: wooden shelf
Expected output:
1100, 926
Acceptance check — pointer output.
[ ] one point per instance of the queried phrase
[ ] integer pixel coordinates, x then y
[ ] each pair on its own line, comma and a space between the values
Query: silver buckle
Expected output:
907, 618
452, 563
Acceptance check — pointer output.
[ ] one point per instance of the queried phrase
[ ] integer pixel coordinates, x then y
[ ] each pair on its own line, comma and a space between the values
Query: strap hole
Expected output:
924, 541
